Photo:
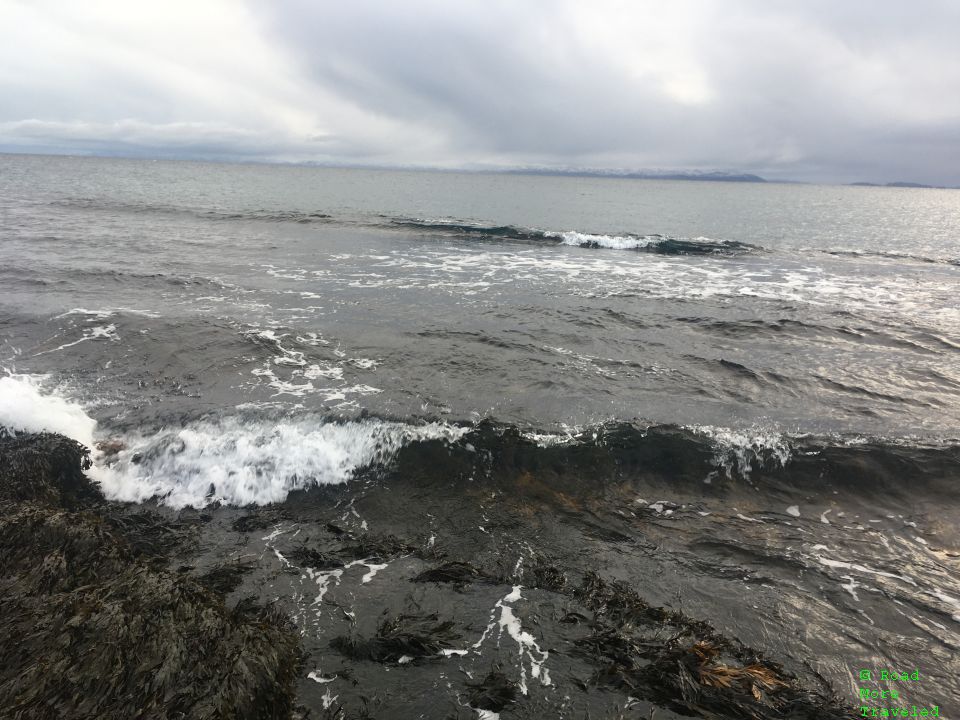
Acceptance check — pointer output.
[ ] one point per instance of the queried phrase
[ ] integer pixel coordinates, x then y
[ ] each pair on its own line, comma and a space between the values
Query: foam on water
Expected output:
242, 462
289, 372
739, 451
529, 650
96, 332
614, 242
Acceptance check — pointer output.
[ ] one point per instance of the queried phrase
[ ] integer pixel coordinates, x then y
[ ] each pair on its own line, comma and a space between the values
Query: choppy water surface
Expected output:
767, 378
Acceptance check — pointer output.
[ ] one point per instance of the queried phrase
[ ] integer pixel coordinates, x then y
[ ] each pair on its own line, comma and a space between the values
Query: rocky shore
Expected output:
117, 611
95, 622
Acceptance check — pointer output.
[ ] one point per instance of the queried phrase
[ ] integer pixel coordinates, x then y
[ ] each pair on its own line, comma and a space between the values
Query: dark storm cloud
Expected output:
812, 90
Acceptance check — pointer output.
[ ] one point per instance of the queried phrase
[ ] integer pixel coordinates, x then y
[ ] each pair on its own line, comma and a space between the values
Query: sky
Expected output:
812, 90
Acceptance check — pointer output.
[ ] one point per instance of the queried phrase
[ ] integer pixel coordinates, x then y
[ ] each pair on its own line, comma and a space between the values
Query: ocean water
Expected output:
248, 334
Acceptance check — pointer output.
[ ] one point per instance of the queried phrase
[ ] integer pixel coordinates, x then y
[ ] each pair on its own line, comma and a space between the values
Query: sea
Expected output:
740, 399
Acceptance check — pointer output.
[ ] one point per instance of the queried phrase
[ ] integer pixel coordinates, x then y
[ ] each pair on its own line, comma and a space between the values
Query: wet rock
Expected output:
109, 448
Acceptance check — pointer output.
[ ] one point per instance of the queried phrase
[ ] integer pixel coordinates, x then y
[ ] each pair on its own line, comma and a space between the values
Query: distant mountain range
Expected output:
699, 175
708, 176
903, 185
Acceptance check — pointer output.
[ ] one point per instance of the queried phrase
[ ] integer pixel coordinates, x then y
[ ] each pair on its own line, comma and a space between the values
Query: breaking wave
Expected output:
25, 406
258, 460
652, 243
659, 244
242, 462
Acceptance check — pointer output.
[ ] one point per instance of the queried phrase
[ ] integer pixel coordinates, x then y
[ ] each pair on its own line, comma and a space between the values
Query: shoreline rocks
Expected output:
94, 625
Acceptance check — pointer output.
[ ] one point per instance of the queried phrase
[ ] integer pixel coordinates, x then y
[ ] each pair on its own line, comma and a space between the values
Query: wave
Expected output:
278, 216
235, 460
894, 255
648, 243
239, 461
257, 459
659, 244
26, 406
458, 227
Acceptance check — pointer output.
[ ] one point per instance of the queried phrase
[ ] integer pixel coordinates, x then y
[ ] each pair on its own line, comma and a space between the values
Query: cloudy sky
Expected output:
824, 90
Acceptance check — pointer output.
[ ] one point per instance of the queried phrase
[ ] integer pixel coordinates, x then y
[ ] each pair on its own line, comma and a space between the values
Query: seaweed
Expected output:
662, 656
259, 520
377, 548
411, 635
45, 468
495, 692
224, 579
456, 572
548, 577
92, 627
250, 523
150, 535
309, 557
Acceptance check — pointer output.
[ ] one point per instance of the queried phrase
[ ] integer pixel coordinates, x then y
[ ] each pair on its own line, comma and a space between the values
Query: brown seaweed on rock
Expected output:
408, 635
662, 656
494, 693
91, 627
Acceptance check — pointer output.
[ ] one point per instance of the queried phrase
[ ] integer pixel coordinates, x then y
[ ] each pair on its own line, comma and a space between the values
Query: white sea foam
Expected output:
288, 372
241, 462
25, 406
465, 271
547, 440
738, 450
97, 332
318, 677
105, 313
615, 242
529, 650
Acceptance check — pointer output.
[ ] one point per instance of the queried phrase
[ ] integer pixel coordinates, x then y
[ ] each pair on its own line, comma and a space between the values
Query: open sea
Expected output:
740, 400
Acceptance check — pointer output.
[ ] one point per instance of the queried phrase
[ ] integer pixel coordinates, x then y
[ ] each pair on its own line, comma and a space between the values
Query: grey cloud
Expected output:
858, 90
